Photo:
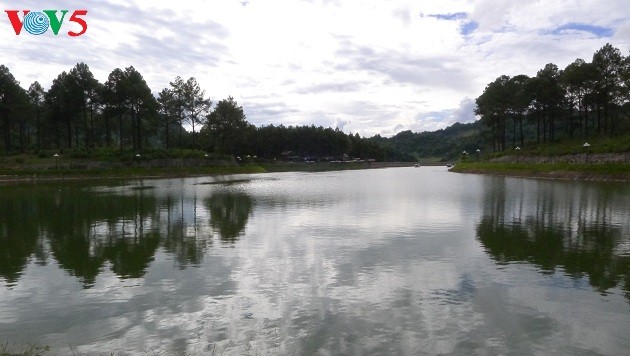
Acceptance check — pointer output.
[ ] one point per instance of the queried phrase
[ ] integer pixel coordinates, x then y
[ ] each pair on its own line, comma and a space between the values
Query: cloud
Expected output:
402, 67
466, 26
465, 113
340, 124
266, 113
338, 87
435, 120
372, 66
404, 14
451, 17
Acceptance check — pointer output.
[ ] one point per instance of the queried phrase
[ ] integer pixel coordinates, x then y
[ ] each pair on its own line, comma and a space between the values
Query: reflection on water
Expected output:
581, 229
86, 230
391, 261
229, 213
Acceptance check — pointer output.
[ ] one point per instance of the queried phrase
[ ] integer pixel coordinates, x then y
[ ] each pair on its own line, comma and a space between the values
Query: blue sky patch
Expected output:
468, 28
598, 31
451, 17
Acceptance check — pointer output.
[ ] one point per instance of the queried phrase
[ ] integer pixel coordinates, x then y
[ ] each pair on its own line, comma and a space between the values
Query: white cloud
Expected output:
372, 66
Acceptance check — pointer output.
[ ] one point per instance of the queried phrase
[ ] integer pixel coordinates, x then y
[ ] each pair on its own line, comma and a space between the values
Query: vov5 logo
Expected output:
37, 23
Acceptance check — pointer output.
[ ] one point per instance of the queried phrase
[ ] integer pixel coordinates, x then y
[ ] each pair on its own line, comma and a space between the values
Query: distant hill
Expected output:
441, 145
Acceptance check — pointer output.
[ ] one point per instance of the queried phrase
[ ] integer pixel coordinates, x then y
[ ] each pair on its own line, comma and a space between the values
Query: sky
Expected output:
367, 67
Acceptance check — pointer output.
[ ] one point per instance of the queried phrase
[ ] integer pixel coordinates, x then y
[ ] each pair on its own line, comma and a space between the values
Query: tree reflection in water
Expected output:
19, 234
86, 231
229, 213
559, 229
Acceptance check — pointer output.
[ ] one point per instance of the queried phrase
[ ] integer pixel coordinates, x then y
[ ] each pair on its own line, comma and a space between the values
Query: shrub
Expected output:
44, 154
79, 153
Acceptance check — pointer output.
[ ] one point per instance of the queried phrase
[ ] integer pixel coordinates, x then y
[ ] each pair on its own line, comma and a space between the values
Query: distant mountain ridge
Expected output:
441, 145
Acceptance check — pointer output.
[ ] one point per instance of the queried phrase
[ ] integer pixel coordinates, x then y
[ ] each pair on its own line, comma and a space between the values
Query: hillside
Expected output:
441, 145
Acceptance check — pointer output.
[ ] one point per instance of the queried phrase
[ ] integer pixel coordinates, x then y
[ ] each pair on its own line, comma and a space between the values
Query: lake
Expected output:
397, 261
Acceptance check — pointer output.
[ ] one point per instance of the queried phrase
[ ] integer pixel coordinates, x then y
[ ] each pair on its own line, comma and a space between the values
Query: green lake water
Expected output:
398, 261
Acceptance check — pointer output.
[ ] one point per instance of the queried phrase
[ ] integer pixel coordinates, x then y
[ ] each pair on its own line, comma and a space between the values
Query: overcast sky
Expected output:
372, 67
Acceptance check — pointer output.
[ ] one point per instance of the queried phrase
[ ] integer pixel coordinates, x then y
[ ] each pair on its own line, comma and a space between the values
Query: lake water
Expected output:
399, 261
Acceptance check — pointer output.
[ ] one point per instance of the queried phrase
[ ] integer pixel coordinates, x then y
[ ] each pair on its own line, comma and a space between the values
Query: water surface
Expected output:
387, 261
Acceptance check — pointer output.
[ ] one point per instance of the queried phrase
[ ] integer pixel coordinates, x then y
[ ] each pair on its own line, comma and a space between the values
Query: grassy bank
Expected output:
74, 164
595, 171
30, 167
603, 158
619, 144
29, 173
329, 166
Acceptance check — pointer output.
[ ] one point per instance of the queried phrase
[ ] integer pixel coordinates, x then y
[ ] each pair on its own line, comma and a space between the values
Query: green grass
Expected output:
604, 170
27, 167
597, 145
113, 163
107, 155
328, 166
619, 144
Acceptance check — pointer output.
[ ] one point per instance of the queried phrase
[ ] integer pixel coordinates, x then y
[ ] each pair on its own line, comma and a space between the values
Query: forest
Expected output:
582, 101
585, 100
81, 115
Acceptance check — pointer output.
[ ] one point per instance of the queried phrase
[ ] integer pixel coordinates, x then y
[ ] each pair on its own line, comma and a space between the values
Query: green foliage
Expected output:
78, 153
226, 126
13, 102
569, 147
45, 154
610, 169
80, 118
443, 145
107, 121
161, 153
585, 100
316, 143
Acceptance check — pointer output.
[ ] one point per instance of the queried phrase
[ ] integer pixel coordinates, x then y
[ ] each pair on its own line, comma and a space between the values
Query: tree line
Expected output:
583, 100
78, 112
444, 144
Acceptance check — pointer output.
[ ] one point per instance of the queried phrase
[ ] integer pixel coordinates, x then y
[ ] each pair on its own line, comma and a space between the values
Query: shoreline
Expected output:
598, 172
25, 174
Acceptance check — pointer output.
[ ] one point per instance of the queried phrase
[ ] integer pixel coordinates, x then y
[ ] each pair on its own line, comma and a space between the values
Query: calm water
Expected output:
389, 261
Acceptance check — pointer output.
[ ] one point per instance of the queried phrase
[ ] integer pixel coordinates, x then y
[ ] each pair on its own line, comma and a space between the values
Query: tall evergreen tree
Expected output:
196, 106
548, 97
36, 96
61, 101
13, 106
115, 96
226, 125
87, 89
177, 101
168, 111
577, 80
608, 63
140, 104
493, 106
